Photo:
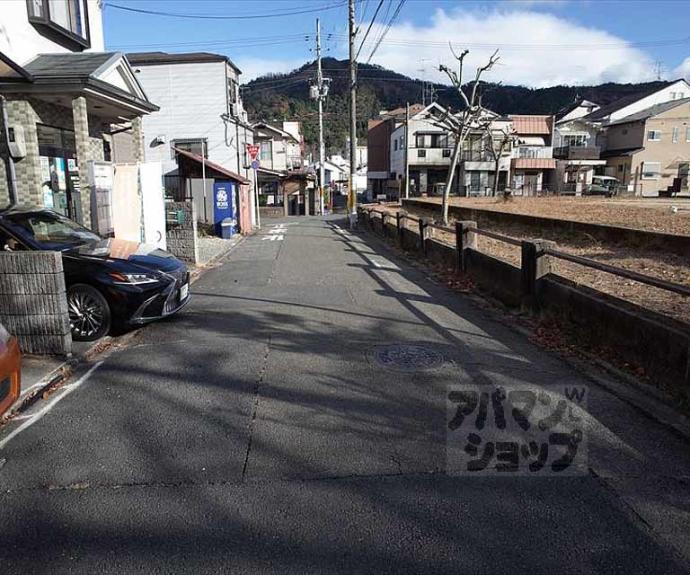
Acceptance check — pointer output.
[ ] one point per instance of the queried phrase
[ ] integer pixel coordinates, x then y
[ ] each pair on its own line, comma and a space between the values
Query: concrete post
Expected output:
81, 138
398, 226
138, 139
422, 234
535, 265
464, 239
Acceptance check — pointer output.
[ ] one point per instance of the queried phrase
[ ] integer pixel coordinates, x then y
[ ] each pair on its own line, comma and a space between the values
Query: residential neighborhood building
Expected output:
575, 148
201, 112
649, 151
282, 178
63, 95
532, 165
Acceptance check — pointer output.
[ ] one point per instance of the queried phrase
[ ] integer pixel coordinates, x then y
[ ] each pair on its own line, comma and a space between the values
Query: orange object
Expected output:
10, 370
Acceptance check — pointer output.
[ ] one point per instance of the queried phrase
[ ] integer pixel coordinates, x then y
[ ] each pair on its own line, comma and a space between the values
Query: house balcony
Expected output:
577, 153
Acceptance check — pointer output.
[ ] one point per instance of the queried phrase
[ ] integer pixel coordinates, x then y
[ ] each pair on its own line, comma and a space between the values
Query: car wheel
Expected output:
89, 313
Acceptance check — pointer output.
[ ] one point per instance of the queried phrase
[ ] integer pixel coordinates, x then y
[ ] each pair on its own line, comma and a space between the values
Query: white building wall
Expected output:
21, 41
192, 98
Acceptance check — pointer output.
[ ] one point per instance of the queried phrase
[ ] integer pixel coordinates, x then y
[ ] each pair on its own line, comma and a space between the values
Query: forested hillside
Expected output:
286, 97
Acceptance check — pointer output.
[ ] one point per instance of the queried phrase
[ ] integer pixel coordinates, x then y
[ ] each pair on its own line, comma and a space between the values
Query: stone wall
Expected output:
28, 112
181, 237
33, 302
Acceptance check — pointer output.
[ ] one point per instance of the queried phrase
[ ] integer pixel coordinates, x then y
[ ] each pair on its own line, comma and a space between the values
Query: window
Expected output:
421, 153
575, 140
674, 136
651, 170
266, 151
687, 134
419, 141
191, 146
69, 18
446, 153
654, 136
620, 167
395, 145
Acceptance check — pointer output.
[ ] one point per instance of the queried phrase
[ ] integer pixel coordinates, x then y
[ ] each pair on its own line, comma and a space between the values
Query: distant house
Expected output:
575, 148
64, 94
201, 112
282, 177
532, 165
623, 107
648, 151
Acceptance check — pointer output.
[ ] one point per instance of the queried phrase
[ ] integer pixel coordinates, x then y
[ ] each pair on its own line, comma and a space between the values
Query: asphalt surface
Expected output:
256, 433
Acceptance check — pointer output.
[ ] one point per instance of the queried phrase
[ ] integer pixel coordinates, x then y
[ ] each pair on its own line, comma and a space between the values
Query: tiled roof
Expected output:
68, 65
213, 166
532, 124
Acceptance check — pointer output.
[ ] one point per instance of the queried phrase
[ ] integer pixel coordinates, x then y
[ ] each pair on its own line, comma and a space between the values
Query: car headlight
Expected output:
134, 279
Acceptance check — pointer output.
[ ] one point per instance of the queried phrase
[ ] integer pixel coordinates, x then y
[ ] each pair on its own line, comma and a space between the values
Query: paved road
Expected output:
255, 433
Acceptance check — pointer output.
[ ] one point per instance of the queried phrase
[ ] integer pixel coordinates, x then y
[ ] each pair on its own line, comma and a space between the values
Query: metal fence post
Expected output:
398, 224
535, 265
465, 239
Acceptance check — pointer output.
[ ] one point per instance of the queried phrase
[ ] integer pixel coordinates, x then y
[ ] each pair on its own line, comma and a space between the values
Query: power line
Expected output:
385, 31
366, 34
218, 42
225, 17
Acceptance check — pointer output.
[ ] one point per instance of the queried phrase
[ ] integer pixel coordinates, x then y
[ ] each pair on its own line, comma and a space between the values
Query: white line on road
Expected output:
62, 393
273, 238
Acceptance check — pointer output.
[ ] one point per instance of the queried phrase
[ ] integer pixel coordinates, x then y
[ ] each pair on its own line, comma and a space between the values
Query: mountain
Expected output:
279, 97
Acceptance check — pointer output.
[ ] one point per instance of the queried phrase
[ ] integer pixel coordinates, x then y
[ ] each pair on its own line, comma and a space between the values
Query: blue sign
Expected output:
255, 164
224, 207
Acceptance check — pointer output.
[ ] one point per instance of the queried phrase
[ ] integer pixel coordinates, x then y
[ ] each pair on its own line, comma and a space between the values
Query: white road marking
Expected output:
273, 238
62, 393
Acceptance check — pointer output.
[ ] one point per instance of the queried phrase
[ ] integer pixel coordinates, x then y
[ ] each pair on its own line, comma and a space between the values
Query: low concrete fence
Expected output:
676, 244
181, 231
33, 301
657, 343
268, 212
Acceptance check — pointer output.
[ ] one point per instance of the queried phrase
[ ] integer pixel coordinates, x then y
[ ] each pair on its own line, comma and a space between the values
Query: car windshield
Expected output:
49, 230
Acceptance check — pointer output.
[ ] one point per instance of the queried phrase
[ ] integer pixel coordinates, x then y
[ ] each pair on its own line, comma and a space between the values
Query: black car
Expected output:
109, 281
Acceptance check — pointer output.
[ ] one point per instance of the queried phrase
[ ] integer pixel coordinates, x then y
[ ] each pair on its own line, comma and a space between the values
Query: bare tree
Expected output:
496, 142
471, 118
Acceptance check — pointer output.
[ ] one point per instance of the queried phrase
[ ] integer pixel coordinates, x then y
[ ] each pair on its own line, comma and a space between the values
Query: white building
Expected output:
201, 112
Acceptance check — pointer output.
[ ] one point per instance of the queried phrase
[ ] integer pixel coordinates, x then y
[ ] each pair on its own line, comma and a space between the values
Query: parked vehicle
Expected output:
109, 281
602, 186
10, 370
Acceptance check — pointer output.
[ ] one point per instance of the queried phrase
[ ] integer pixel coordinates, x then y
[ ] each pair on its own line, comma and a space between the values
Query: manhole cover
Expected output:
407, 357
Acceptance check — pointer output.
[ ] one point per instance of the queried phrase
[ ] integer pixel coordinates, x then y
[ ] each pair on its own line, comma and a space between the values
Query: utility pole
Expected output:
352, 193
319, 92
407, 150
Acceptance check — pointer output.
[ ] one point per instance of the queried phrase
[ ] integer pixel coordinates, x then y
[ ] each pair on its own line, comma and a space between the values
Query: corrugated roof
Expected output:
532, 124
152, 58
534, 163
213, 166
651, 111
68, 65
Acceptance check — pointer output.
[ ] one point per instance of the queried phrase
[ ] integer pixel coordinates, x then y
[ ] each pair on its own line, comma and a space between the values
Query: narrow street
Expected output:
255, 432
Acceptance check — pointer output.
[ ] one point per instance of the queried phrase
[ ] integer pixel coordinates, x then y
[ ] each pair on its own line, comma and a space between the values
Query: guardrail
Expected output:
465, 237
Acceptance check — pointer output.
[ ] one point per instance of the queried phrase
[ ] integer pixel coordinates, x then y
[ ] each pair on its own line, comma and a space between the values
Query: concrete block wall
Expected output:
182, 238
33, 301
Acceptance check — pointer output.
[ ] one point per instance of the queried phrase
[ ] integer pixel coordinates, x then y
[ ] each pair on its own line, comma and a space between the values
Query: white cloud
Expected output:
253, 67
536, 49
682, 71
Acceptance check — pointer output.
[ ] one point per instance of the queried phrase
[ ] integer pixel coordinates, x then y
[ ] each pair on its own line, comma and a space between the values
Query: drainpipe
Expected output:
11, 173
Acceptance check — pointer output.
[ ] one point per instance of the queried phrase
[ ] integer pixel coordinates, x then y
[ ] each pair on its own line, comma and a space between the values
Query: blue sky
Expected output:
541, 43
